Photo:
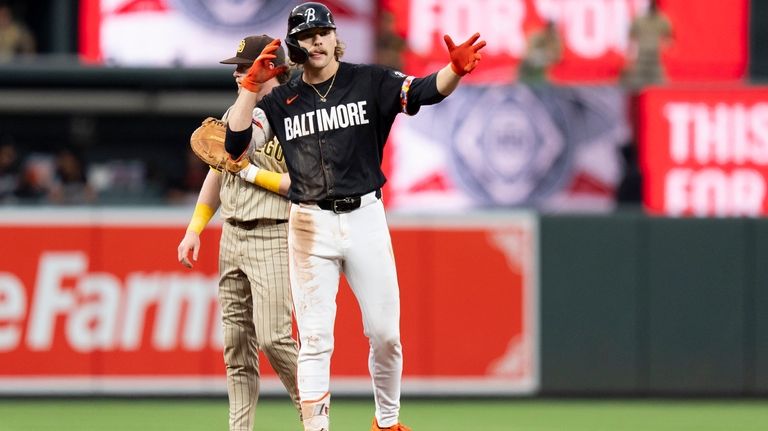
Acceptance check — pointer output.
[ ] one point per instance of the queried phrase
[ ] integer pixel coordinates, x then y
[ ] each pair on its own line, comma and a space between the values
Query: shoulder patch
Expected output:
259, 117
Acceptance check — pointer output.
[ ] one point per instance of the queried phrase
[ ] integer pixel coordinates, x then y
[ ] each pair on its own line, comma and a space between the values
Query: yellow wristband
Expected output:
200, 218
268, 180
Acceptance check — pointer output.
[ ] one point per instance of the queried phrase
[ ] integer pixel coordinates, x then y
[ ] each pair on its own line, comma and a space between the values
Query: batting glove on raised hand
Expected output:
464, 57
263, 68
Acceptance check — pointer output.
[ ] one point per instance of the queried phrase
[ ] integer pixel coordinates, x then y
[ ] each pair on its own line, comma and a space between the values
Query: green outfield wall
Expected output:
638, 305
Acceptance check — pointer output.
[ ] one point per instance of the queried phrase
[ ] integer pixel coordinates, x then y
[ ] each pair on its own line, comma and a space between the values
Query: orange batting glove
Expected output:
263, 69
464, 58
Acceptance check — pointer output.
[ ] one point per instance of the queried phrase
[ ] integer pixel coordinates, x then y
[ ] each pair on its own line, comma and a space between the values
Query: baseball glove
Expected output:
207, 143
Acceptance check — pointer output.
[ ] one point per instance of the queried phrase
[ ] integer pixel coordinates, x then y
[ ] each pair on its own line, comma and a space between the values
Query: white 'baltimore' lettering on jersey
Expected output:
325, 119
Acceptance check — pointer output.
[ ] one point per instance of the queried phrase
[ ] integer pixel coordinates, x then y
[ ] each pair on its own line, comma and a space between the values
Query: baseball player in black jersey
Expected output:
333, 121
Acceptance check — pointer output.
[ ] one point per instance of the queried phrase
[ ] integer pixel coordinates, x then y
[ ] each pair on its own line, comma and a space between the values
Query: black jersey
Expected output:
333, 149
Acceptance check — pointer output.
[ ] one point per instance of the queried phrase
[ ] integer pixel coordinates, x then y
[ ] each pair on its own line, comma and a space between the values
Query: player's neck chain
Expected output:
323, 96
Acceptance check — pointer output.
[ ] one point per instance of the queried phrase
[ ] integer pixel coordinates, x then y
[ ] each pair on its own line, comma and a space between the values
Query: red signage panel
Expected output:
710, 37
95, 302
704, 151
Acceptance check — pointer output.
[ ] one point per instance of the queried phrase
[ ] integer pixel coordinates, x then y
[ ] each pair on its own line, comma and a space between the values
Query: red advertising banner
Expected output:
710, 40
95, 302
704, 152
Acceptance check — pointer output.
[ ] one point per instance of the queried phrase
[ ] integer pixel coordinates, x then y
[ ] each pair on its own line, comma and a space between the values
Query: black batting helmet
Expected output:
309, 15
304, 17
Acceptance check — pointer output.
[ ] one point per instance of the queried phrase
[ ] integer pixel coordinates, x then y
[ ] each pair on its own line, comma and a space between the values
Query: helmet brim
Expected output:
304, 27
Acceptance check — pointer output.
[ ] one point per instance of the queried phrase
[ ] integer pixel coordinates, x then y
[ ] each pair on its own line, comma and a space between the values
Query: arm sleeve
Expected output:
237, 142
422, 91
262, 129
407, 94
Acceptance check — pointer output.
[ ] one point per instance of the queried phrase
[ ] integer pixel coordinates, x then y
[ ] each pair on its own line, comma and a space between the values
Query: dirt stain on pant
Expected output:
303, 231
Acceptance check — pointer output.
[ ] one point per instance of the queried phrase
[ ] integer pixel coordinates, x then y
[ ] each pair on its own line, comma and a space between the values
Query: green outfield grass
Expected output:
422, 415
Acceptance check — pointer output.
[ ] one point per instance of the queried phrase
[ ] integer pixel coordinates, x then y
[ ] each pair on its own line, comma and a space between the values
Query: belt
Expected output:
351, 203
253, 224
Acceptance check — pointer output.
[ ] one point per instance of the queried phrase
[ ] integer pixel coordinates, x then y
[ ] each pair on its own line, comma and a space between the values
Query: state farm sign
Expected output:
704, 152
98, 311
94, 301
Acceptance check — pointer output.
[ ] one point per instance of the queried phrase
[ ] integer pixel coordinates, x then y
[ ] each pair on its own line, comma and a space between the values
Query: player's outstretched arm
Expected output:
208, 202
464, 59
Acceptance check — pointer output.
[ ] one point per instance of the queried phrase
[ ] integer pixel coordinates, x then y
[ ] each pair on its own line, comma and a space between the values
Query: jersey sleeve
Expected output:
262, 131
394, 87
406, 94
422, 91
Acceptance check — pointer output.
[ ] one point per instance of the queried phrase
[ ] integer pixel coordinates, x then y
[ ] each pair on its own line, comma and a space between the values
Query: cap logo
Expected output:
241, 47
310, 15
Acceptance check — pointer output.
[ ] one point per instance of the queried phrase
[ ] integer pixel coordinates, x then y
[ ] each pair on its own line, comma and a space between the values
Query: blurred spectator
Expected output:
15, 38
36, 179
70, 185
124, 181
543, 51
184, 190
9, 170
648, 35
629, 191
389, 44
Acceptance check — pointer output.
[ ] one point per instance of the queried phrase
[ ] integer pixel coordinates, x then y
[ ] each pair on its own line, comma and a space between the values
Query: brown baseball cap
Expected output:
251, 47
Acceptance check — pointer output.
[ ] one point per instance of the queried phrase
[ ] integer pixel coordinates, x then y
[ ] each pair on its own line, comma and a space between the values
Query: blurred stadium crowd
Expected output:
64, 177
64, 169
75, 168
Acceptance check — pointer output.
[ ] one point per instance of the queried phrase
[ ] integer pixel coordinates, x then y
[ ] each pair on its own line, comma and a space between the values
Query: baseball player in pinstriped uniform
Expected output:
333, 121
254, 290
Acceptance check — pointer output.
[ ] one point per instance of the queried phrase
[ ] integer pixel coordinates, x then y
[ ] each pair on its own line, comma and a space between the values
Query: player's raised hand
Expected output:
191, 242
464, 57
263, 68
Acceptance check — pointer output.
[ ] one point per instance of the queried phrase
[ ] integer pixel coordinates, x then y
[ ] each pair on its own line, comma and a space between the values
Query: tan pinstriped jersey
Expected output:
243, 201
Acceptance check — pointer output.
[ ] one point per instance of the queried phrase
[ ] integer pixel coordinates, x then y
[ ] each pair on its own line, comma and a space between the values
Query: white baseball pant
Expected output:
322, 244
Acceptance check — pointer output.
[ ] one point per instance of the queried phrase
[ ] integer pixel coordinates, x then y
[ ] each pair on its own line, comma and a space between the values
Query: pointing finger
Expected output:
472, 39
449, 42
479, 46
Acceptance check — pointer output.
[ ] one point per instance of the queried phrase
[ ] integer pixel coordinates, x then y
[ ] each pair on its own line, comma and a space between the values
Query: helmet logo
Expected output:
310, 15
241, 47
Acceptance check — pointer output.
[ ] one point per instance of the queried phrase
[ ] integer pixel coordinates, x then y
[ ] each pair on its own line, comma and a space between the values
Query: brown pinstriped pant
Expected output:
255, 298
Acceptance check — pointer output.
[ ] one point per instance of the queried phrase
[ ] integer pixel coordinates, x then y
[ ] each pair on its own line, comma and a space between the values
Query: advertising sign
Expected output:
94, 302
709, 37
704, 152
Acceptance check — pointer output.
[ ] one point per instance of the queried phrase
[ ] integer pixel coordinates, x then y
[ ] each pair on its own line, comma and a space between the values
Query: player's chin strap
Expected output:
296, 53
